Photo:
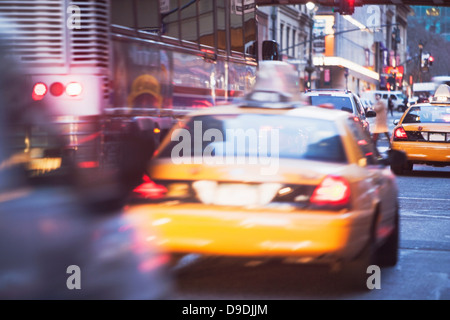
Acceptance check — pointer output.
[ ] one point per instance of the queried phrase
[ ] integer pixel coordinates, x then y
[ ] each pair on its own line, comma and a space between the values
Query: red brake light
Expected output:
332, 190
149, 189
39, 91
74, 89
57, 89
400, 134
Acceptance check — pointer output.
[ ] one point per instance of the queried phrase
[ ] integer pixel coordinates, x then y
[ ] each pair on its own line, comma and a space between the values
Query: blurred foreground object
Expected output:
277, 76
44, 231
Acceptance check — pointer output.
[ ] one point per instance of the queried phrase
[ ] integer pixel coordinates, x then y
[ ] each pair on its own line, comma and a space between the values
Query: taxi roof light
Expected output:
269, 100
442, 94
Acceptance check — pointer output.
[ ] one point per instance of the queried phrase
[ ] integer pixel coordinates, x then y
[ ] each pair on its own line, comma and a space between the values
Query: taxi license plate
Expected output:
236, 194
437, 137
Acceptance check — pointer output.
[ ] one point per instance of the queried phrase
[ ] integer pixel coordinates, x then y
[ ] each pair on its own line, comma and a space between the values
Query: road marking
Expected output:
411, 198
411, 214
13, 195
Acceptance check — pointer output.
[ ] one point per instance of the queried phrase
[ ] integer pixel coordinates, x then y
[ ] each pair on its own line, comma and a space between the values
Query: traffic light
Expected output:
345, 6
395, 38
424, 61
430, 60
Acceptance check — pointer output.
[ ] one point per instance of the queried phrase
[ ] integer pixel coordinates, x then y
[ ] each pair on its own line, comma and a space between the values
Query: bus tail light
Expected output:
39, 91
333, 190
74, 89
57, 89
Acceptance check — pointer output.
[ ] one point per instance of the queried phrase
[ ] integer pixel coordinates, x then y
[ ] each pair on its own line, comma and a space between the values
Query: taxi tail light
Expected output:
400, 134
333, 190
149, 189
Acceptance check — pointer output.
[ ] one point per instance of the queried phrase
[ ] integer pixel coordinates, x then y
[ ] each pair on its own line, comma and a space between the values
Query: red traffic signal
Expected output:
346, 7
430, 60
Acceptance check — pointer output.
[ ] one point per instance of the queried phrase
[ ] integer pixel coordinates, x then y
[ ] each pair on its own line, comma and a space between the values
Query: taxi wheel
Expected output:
387, 254
174, 258
400, 170
354, 272
409, 166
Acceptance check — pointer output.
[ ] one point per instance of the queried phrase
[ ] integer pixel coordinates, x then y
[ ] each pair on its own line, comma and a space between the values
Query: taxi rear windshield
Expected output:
256, 135
428, 114
340, 103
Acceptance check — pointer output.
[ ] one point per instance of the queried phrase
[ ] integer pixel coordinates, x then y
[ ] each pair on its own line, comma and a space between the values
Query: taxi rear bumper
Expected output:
314, 236
424, 152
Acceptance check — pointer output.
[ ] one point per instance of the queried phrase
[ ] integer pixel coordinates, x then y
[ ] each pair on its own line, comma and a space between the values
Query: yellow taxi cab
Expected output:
269, 178
423, 133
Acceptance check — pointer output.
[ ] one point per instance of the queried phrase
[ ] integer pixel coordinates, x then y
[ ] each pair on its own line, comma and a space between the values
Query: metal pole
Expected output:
310, 68
274, 23
420, 62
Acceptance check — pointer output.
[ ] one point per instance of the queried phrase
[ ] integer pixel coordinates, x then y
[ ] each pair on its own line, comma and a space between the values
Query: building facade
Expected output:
289, 25
434, 19
364, 51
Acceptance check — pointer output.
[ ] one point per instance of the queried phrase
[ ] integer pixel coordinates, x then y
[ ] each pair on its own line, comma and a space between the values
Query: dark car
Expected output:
342, 100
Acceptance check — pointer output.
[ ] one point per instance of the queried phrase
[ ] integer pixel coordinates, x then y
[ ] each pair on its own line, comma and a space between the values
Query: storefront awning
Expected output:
359, 71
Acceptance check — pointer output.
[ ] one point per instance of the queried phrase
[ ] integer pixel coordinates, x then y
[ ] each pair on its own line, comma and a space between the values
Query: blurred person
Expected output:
145, 92
391, 106
380, 120
405, 102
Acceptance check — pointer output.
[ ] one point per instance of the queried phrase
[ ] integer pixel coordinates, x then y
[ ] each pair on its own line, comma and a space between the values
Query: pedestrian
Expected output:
381, 120
391, 106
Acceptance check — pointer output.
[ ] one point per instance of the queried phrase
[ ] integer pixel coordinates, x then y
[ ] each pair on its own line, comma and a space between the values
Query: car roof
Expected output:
431, 104
329, 92
303, 111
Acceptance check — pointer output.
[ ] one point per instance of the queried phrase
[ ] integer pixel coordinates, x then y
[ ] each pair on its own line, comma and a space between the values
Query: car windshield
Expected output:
428, 114
340, 103
256, 135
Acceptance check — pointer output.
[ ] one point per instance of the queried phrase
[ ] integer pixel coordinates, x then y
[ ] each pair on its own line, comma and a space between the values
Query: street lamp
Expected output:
310, 67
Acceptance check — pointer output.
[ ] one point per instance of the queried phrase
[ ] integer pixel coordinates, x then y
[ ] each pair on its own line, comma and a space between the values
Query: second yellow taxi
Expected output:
423, 133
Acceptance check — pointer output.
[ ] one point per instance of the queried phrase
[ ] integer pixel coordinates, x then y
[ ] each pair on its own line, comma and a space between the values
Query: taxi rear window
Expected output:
256, 135
428, 114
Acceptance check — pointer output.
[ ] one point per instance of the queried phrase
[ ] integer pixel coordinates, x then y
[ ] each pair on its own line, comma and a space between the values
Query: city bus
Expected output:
113, 76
